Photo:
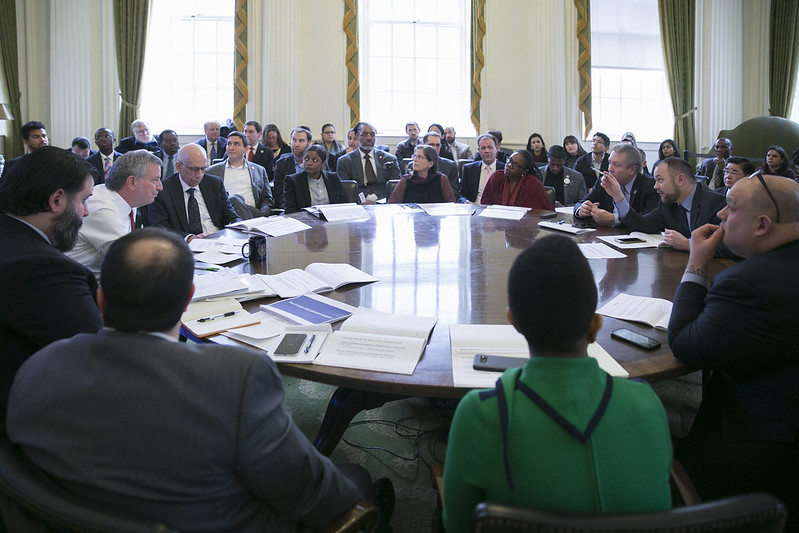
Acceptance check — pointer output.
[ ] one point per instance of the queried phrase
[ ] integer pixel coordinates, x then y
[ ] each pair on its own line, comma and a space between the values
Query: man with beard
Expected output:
46, 296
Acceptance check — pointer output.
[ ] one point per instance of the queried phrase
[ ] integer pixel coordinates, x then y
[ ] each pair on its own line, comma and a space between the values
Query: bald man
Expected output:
191, 203
744, 329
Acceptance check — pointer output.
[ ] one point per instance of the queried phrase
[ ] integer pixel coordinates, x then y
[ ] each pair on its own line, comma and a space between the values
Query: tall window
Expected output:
188, 66
414, 63
629, 91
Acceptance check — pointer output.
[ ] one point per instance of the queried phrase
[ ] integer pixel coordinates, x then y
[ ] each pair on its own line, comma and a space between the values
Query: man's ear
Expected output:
58, 201
511, 320
764, 224
188, 301
594, 327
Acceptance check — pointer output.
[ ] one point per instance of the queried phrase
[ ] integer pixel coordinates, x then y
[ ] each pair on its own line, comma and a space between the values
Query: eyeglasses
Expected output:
759, 175
193, 170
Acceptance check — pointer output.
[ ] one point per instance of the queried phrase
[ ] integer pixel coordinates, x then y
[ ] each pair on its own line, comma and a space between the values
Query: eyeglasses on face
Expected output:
193, 170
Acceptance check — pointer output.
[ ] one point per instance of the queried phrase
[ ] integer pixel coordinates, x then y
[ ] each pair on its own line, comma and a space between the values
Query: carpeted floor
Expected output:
410, 436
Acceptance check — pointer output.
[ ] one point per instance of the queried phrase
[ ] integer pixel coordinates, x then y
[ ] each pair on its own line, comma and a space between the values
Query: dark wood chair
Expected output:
349, 190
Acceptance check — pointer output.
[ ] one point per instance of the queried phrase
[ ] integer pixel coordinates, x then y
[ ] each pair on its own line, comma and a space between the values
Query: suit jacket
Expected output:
449, 168
574, 190
221, 142
405, 149
349, 167
169, 208
704, 208
261, 190
283, 167
460, 150
205, 444
297, 195
706, 167
584, 166
130, 143
45, 296
263, 156
96, 160
470, 181
643, 197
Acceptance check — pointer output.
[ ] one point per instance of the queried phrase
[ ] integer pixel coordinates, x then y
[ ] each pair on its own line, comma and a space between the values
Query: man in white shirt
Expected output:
212, 143
475, 175
105, 155
246, 183
134, 181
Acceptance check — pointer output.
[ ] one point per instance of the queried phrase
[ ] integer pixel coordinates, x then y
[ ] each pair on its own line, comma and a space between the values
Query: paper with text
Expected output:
654, 312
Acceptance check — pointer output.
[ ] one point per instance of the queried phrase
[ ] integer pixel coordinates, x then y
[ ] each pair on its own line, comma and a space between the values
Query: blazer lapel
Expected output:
179, 203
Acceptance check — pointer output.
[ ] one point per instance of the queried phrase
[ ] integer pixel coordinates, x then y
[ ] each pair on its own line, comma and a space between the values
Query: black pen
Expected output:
214, 317
310, 342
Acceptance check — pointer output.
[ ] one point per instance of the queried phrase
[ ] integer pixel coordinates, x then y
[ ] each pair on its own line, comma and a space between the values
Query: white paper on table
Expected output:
215, 258
568, 228
343, 212
507, 212
447, 209
268, 345
654, 312
651, 240
606, 361
275, 226
373, 352
597, 250
565, 209
223, 282
371, 321
227, 245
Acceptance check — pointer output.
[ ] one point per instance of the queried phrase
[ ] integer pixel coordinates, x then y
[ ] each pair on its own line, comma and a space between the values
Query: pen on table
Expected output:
214, 317
210, 269
310, 342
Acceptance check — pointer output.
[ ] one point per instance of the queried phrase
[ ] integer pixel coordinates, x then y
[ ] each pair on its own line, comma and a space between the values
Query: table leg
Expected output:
343, 406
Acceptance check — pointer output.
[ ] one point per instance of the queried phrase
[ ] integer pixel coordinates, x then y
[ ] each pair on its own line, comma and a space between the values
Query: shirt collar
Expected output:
689, 200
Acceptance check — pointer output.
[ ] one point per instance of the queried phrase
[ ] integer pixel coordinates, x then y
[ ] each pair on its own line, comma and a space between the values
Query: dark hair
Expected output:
497, 135
527, 159
28, 127
258, 128
109, 130
679, 165
134, 163
437, 126
411, 123
319, 149
572, 139
359, 127
428, 134
81, 142
240, 136
783, 167
271, 127
431, 155
28, 185
304, 129
543, 144
161, 135
605, 138
552, 270
673, 145
326, 125
487, 136
147, 276
556, 151
743, 162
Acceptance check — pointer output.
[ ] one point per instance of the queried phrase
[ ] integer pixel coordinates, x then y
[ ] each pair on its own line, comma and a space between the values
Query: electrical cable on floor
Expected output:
404, 431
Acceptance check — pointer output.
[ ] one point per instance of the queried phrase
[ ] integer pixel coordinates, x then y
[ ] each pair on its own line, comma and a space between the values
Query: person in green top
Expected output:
559, 433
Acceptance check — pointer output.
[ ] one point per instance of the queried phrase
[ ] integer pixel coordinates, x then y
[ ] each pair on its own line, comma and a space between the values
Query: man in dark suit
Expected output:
743, 329
596, 159
445, 166
246, 183
170, 144
142, 139
103, 159
638, 189
212, 143
179, 207
45, 295
684, 204
475, 175
194, 435
381, 168
256, 152
291, 163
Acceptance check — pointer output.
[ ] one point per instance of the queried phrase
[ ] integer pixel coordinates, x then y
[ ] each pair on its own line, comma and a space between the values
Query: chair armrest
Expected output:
682, 486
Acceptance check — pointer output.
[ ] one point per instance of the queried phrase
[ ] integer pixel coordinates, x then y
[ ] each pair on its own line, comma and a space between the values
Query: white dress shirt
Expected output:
237, 181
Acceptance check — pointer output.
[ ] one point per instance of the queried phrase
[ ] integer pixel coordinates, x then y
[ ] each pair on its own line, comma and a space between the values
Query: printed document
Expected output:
654, 312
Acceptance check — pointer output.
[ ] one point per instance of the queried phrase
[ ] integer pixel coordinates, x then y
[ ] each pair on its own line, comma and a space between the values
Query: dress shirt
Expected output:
205, 216
485, 173
318, 191
371, 154
237, 181
108, 220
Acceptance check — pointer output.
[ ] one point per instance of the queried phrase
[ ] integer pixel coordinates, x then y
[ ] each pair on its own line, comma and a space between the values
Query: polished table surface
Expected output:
455, 268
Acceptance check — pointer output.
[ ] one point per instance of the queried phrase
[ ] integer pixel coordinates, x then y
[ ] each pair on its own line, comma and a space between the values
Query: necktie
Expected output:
195, 226
106, 166
249, 155
369, 171
213, 151
626, 193
717, 180
170, 167
687, 218
132, 222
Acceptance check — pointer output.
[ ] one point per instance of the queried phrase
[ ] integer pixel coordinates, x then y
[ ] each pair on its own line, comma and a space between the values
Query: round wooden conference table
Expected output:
454, 268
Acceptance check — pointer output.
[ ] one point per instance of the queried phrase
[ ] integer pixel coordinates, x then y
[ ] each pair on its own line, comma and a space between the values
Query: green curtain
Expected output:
8, 48
351, 60
677, 19
241, 94
130, 28
478, 59
584, 60
783, 55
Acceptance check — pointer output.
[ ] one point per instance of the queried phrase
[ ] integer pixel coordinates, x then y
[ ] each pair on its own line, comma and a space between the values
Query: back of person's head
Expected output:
552, 295
745, 164
677, 166
28, 127
147, 277
630, 153
556, 151
134, 163
27, 186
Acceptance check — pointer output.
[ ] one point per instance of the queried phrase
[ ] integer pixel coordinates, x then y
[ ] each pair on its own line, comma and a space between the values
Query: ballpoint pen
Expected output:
210, 269
310, 342
214, 317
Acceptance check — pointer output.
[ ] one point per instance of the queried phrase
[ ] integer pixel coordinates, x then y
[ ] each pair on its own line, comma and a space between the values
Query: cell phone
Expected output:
642, 341
548, 215
497, 363
291, 344
630, 240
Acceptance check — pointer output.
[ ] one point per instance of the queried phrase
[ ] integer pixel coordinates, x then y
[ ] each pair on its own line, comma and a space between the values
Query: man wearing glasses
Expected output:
743, 328
191, 203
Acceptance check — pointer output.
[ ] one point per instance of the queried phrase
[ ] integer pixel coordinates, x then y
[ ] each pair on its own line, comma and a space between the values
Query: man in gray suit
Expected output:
381, 168
191, 435
569, 184
459, 150
247, 184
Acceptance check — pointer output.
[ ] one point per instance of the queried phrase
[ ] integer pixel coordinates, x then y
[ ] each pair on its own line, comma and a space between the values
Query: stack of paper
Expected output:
343, 212
317, 277
224, 282
635, 239
655, 312
442, 210
203, 319
508, 212
275, 226
563, 225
